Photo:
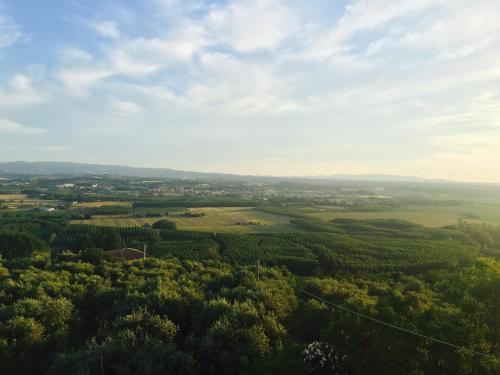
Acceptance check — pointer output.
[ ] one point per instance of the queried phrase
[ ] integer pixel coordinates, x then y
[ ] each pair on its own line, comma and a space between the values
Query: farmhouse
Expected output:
65, 186
127, 253
47, 209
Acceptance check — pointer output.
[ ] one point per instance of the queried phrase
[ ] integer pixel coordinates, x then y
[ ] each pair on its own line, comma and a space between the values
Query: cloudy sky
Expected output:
280, 87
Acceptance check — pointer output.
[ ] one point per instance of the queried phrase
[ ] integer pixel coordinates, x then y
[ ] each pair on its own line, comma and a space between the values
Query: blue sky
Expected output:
318, 87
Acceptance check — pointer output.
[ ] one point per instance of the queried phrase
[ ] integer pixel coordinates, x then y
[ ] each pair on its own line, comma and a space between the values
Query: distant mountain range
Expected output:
50, 168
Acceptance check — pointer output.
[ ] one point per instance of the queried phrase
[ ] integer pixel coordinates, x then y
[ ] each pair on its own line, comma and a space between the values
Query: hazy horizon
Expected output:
283, 88
356, 177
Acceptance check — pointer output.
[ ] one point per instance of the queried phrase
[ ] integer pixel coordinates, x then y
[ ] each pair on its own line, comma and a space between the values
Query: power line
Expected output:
394, 326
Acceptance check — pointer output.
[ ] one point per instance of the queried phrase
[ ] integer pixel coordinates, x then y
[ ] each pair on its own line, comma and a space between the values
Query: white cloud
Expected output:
126, 107
480, 114
53, 148
373, 14
10, 31
361, 16
237, 86
142, 56
237, 82
80, 79
406, 71
131, 57
107, 29
251, 25
75, 55
122, 62
19, 92
11, 127
457, 29
183, 42
149, 92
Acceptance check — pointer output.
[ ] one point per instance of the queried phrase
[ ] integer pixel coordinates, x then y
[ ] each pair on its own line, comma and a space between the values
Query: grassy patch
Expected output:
12, 196
101, 204
216, 219
425, 215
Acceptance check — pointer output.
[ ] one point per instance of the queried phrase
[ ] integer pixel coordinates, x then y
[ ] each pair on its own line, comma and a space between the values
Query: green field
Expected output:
424, 215
270, 219
216, 219
12, 196
101, 204
431, 216
21, 201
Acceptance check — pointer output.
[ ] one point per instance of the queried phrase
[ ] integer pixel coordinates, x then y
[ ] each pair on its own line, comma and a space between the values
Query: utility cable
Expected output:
394, 326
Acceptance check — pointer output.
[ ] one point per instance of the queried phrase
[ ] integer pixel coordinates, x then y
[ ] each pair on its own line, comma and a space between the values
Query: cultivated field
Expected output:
101, 204
428, 215
424, 215
21, 201
216, 219
12, 196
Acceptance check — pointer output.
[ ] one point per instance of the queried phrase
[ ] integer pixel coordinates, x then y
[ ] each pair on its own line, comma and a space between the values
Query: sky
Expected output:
266, 87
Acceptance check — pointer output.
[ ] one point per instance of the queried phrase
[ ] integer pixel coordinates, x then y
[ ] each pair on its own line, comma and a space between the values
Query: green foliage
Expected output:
32, 328
32, 222
109, 210
239, 248
169, 316
17, 245
137, 342
367, 253
196, 202
92, 255
178, 235
439, 306
165, 225
187, 249
311, 225
196, 304
81, 236
149, 316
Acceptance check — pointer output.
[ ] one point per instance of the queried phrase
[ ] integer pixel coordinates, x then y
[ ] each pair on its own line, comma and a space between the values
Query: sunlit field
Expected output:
428, 216
216, 219
101, 204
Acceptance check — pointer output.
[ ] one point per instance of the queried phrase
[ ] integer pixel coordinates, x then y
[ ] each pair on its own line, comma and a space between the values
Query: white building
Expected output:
65, 186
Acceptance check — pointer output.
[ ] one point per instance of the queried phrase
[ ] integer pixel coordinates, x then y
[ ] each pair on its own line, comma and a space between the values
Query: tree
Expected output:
108, 240
93, 255
140, 342
17, 245
165, 224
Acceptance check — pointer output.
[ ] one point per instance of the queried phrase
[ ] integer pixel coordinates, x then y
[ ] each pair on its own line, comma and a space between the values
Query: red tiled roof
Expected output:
127, 253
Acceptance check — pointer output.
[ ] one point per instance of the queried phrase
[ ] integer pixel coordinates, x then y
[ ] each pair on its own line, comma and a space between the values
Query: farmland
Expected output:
22, 201
219, 263
100, 204
12, 197
215, 219
425, 215
428, 215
